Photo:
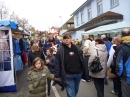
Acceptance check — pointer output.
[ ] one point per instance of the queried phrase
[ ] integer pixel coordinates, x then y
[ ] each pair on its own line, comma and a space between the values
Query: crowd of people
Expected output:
67, 62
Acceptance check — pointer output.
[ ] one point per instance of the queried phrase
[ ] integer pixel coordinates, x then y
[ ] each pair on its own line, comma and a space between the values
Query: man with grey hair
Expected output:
107, 43
108, 47
103, 36
123, 63
87, 45
87, 50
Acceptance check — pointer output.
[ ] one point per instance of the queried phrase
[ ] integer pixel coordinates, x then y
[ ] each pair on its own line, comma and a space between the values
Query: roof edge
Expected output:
80, 7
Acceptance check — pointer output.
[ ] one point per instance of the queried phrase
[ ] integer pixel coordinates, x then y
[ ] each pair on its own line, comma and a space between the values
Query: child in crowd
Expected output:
37, 77
51, 66
35, 52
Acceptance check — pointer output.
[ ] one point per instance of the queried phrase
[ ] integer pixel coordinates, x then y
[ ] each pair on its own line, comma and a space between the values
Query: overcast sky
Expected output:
44, 13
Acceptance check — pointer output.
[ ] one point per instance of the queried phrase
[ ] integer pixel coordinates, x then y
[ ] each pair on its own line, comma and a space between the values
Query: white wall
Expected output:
78, 34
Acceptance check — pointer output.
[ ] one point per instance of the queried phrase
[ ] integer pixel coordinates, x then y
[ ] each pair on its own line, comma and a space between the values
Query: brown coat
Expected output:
103, 60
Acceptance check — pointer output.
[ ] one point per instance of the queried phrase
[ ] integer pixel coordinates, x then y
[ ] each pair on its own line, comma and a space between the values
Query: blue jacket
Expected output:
123, 62
48, 45
16, 47
108, 44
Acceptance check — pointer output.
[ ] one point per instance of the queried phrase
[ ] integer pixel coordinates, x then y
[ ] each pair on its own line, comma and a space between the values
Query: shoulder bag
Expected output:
96, 65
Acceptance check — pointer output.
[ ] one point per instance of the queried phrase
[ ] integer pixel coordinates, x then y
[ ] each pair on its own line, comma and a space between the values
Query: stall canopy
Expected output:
12, 24
24, 32
117, 27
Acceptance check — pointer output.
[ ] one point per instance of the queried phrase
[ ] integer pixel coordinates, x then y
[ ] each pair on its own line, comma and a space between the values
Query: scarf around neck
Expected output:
125, 39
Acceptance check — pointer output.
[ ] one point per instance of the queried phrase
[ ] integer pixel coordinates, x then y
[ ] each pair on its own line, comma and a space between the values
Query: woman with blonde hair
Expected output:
35, 52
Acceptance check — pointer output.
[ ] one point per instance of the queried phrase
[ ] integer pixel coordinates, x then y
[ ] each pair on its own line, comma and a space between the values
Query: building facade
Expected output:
68, 26
101, 16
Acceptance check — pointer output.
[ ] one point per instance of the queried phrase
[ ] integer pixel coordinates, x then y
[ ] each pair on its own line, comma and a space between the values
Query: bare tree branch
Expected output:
4, 11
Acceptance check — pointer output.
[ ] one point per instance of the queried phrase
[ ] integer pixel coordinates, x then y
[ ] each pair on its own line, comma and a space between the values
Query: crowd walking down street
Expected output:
59, 74
88, 56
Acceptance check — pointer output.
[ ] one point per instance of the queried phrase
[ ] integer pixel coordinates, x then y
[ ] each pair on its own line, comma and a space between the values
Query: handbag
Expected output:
110, 74
96, 65
110, 70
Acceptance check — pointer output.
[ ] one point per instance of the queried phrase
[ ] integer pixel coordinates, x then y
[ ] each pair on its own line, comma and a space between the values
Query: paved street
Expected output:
86, 89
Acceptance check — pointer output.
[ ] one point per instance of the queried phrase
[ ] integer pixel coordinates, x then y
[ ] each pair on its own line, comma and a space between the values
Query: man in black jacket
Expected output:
69, 65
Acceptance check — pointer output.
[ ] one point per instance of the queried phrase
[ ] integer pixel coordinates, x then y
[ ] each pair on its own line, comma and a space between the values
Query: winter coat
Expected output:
108, 45
117, 49
51, 64
37, 82
110, 59
40, 44
60, 65
103, 60
87, 47
33, 55
48, 44
123, 60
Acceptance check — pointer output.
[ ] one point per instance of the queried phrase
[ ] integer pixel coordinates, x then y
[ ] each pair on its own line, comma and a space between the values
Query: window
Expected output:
82, 18
72, 25
99, 5
89, 13
77, 20
68, 25
114, 3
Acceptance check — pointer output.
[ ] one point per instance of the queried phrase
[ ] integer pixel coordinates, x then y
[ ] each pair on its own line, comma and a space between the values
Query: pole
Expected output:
61, 24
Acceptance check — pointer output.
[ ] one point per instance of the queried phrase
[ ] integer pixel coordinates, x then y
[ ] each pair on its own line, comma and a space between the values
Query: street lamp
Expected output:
61, 24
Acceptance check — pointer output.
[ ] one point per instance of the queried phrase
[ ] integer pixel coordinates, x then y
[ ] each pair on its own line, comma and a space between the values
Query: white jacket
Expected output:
102, 51
110, 59
88, 46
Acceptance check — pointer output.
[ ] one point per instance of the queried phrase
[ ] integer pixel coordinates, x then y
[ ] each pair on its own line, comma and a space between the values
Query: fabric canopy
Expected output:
117, 27
26, 33
12, 24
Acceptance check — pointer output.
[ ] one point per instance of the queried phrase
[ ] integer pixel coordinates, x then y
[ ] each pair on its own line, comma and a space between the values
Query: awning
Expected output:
26, 33
103, 19
12, 24
19, 30
23, 31
117, 27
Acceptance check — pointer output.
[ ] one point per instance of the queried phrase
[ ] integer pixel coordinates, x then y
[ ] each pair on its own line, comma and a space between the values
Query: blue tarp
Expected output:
12, 24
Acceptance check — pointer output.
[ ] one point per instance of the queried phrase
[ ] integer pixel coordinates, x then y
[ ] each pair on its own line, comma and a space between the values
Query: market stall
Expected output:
10, 57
